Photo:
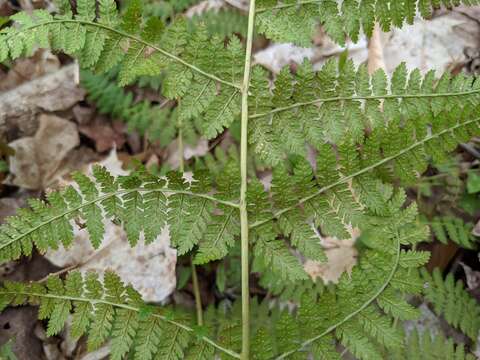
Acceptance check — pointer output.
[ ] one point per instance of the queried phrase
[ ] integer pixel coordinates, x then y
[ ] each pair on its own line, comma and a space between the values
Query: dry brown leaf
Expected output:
436, 44
38, 160
341, 257
23, 70
103, 134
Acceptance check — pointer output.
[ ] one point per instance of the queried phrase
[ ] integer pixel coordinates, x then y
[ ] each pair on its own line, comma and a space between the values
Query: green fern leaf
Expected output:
275, 255
455, 229
453, 302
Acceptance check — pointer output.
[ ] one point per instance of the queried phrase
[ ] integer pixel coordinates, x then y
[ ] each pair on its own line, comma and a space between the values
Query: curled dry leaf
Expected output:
276, 56
472, 276
149, 268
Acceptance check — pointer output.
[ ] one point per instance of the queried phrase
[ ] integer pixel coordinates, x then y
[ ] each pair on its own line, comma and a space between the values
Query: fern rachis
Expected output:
368, 131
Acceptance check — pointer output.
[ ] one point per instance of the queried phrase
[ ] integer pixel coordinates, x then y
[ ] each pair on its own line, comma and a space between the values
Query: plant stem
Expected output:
181, 150
196, 287
196, 293
243, 190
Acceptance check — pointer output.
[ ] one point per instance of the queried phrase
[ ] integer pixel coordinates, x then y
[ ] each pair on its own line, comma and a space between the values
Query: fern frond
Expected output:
454, 229
340, 199
295, 21
350, 313
142, 202
105, 41
452, 301
340, 101
109, 309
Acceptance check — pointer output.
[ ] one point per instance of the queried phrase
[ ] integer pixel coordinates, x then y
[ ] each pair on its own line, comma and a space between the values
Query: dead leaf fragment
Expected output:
55, 91
341, 257
476, 229
38, 160
26, 69
105, 136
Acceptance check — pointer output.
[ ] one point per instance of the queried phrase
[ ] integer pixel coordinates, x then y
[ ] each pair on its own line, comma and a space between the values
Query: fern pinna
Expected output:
371, 135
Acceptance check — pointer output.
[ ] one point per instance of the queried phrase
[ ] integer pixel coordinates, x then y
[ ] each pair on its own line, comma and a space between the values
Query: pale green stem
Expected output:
181, 148
196, 287
243, 190
196, 293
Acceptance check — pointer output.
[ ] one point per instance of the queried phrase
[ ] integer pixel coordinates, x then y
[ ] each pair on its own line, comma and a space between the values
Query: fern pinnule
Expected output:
143, 203
340, 101
455, 229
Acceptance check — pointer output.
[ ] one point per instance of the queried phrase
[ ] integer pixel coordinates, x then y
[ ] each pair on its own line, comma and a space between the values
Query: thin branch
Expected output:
354, 313
122, 306
128, 36
356, 98
363, 171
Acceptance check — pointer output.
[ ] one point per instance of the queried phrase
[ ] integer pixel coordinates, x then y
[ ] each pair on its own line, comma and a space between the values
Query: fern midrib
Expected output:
225, 107
358, 98
367, 303
173, 342
120, 306
202, 214
107, 196
363, 171
128, 36
223, 228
